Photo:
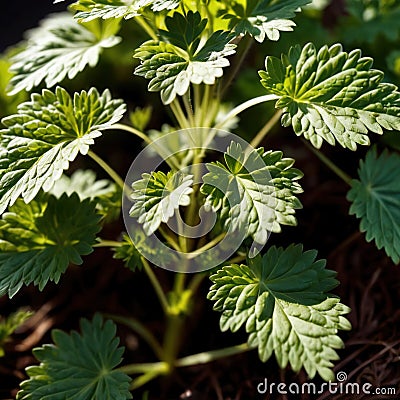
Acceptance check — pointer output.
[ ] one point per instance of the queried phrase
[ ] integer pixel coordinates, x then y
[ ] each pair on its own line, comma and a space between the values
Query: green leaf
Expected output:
105, 193
78, 366
158, 196
255, 192
332, 95
282, 300
375, 198
262, 19
40, 239
9, 325
88, 10
368, 21
128, 253
46, 135
184, 56
8, 104
59, 48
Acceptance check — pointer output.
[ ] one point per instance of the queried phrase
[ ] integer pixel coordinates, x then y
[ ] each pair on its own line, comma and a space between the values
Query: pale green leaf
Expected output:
59, 48
9, 325
88, 10
185, 56
262, 19
78, 366
375, 198
256, 193
38, 240
332, 95
46, 135
158, 196
105, 193
282, 299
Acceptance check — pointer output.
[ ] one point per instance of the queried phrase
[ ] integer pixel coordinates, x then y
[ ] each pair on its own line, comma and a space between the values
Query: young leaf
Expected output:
9, 325
88, 10
157, 196
59, 48
375, 198
332, 95
183, 58
128, 253
282, 299
47, 133
83, 182
255, 193
38, 240
264, 18
78, 366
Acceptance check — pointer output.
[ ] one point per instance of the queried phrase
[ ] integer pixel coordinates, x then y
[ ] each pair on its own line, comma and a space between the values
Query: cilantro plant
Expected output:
281, 297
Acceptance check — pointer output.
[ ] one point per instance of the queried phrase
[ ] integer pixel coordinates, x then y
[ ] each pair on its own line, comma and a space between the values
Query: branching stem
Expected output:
266, 129
117, 179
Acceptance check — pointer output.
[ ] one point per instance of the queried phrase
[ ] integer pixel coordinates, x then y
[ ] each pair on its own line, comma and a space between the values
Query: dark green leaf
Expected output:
128, 253
262, 19
105, 193
78, 366
38, 240
375, 200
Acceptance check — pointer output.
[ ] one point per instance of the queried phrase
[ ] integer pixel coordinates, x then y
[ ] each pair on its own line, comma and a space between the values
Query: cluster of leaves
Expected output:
78, 366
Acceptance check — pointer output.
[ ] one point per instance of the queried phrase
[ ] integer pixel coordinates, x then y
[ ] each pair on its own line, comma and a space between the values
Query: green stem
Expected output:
117, 179
244, 106
266, 129
188, 107
156, 285
146, 27
179, 114
143, 332
133, 130
108, 243
198, 114
169, 239
207, 246
237, 66
330, 164
132, 369
208, 356
172, 339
